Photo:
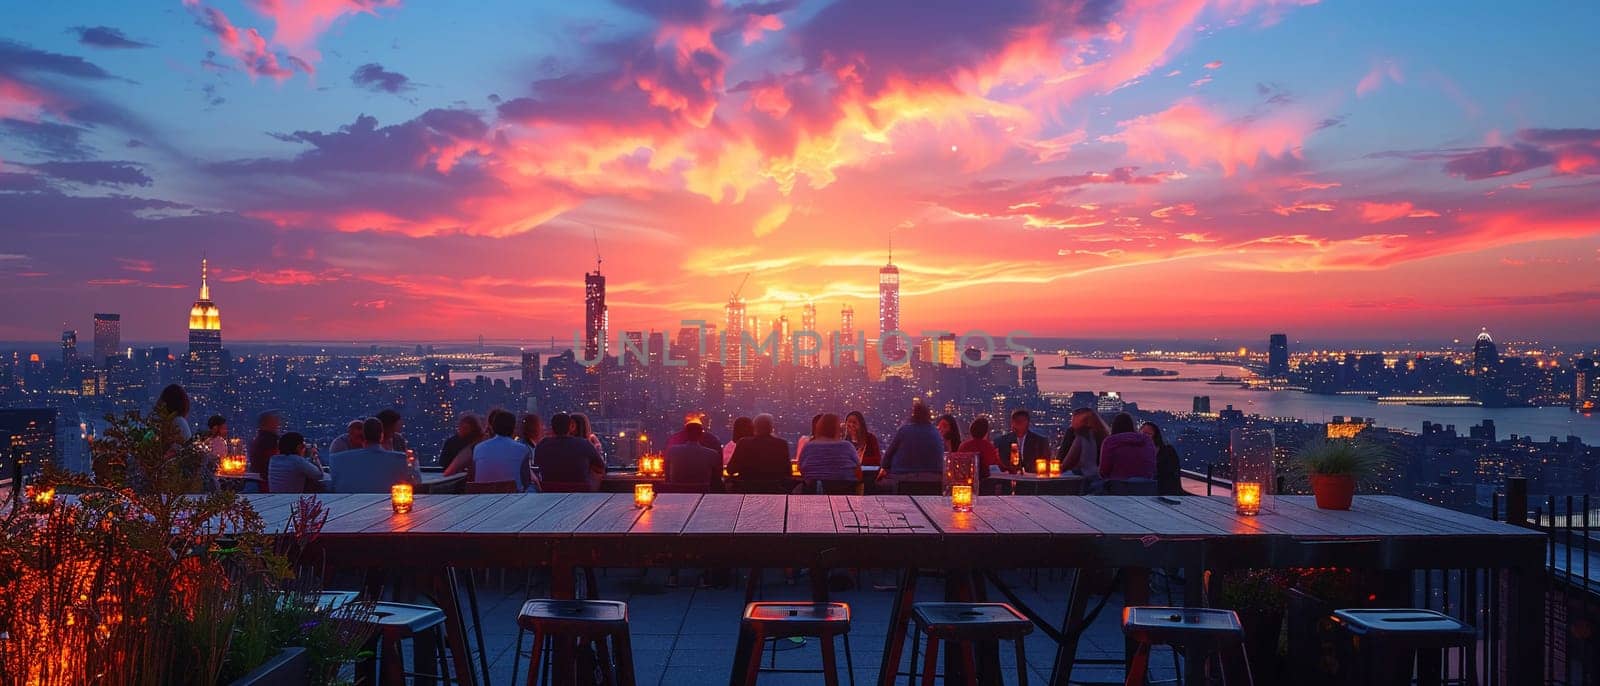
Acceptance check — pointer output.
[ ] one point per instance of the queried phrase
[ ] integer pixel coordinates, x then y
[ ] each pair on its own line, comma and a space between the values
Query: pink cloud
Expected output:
1214, 64
1200, 135
1381, 71
19, 100
1377, 212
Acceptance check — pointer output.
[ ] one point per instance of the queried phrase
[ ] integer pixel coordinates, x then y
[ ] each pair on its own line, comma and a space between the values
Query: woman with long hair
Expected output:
866, 443
581, 429
1080, 448
743, 427
1168, 478
531, 430
950, 432
173, 405
827, 458
1127, 453
473, 436
800, 445
988, 455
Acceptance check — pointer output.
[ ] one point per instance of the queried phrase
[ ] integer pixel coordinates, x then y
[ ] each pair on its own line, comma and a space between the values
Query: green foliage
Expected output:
1353, 457
1253, 591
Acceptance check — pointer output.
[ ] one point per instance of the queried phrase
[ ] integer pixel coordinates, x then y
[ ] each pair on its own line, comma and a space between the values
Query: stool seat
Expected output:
971, 621
574, 616
783, 620
399, 620
1181, 625
1405, 626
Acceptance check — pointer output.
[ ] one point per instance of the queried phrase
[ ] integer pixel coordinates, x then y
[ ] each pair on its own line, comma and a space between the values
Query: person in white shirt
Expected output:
501, 457
289, 471
217, 435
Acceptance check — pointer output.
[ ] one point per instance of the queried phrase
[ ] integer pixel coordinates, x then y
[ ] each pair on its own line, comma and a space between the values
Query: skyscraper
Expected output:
107, 336
893, 347
440, 407
204, 365
69, 348
808, 322
594, 314
847, 335
530, 372
1485, 355
736, 369
1278, 355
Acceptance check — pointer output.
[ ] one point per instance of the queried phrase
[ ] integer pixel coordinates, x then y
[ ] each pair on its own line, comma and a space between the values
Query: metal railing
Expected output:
1572, 605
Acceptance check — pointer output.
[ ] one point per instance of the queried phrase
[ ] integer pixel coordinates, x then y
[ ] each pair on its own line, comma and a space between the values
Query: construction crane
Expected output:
740, 289
597, 260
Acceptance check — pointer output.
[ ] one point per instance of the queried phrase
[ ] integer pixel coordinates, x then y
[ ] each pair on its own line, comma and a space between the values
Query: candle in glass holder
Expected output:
41, 497
1055, 467
1041, 466
961, 498
231, 465
1247, 497
643, 495
401, 497
794, 469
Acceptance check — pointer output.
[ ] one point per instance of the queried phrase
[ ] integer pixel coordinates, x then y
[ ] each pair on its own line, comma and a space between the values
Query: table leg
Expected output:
1136, 591
1194, 595
1072, 627
1525, 655
899, 617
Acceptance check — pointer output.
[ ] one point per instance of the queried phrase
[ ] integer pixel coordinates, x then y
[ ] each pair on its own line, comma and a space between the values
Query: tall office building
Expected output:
736, 369
808, 323
889, 311
1278, 355
32, 434
69, 348
1586, 388
847, 335
595, 323
107, 336
1485, 355
205, 365
530, 372
783, 352
440, 407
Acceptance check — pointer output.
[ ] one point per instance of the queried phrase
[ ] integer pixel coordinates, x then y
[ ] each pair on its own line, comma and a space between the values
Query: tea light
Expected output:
961, 498
401, 497
1247, 497
1055, 467
231, 465
1041, 466
794, 469
41, 498
644, 495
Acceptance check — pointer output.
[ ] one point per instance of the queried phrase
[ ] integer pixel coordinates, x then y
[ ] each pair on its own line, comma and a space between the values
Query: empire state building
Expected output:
205, 366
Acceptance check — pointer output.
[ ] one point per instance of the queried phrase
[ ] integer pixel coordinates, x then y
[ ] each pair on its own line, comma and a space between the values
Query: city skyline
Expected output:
1073, 169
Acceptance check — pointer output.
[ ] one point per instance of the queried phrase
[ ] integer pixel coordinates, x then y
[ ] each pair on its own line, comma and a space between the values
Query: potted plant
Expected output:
1334, 466
1259, 597
1314, 640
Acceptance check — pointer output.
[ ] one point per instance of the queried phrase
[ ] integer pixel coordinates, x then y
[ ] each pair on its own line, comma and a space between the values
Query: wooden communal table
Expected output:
1196, 533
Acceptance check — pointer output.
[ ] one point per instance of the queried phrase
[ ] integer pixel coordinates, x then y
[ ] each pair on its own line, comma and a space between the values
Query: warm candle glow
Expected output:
231, 465
41, 497
1247, 497
401, 497
1055, 467
961, 498
411, 457
1041, 466
794, 469
644, 495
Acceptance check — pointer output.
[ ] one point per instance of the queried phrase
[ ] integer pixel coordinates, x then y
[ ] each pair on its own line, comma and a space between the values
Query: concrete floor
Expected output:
686, 634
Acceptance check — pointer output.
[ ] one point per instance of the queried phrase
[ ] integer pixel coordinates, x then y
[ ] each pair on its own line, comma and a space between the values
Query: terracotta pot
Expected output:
1333, 491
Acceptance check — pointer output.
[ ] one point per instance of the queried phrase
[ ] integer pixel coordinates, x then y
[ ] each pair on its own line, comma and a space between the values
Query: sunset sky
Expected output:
416, 169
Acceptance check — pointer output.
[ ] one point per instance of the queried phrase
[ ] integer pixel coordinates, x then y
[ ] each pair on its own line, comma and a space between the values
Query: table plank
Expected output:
1089, 510
810, 515
762, 514
567, 515
1458, 520
669, 515
515, 512
474, 507
893, 515
715, 513
937, 509
1342, 522
425, 507
1225, 518
435, 512
362, 510
615, 515
1052, 519
998, 513
1158, 518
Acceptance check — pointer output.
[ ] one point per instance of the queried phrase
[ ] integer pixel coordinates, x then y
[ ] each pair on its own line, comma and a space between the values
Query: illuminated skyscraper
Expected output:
784, 352
205, 365
107, 336
595, 325
530, 372
945, 351
735, 369
439, 406
1278, 355
1485, 355
808, 322
69, 348
889, 311
847, 335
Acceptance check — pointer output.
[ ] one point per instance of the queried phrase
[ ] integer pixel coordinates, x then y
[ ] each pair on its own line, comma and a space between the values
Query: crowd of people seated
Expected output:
838, 455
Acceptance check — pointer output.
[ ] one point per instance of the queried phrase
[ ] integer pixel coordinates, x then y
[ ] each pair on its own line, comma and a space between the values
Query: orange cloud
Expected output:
1199, 135
1376, 212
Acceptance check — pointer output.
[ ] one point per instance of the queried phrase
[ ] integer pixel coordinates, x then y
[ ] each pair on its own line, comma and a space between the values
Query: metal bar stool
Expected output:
1386, 642
579, 623
1203, 634
591, 591
398, 622
779, 620
963, 626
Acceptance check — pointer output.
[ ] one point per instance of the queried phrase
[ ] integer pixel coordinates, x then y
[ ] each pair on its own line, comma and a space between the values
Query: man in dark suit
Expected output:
762, 457
1033, 446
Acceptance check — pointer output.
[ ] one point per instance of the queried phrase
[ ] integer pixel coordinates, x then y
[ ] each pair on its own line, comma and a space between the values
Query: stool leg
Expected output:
752, 585
849, 665
916, 647
1072, 626
516, 654
969, 662
744, 650
1429, 664
830, 664
1136, 668
477, 624
535, 659
623, 644
1235, 666
1472, 662
753, 669
899, 617
602, 654
1022, 664
391, 664
591, 585
930, 662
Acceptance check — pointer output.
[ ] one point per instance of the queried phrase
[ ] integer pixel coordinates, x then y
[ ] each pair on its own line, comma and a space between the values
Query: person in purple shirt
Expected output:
1127, 453
828, 458
917, 450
